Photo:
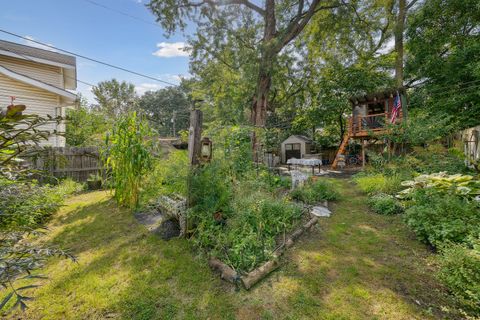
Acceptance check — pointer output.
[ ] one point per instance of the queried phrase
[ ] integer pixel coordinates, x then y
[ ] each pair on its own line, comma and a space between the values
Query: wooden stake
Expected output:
194, 137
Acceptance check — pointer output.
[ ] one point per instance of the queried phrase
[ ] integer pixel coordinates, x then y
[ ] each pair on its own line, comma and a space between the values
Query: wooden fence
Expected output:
77, 163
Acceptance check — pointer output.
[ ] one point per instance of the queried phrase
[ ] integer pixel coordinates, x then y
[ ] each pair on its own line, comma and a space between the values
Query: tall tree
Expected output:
345, 56
443, 41
402, 9
85, 126
279, 23
167, 109
114, 98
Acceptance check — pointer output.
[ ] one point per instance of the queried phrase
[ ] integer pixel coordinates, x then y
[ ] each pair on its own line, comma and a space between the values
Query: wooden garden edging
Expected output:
254, 276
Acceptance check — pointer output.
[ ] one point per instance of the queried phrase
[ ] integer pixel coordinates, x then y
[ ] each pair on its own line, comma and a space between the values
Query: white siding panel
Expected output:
48, 74
38, 101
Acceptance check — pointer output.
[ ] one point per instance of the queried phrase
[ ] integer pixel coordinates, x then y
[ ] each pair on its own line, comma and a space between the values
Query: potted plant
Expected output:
94, 182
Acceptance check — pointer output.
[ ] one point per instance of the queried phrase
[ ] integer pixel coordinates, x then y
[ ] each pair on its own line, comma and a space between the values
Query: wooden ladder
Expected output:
341, 150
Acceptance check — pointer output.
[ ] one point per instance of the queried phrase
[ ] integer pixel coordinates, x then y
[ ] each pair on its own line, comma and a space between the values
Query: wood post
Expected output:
194, 137
363, 153
194, 149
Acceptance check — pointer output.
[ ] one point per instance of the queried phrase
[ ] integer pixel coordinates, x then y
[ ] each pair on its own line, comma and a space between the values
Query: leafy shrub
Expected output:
68, 187
438, 218
315, 191
460, 272
234, 149
24, 207
377, 161
436, 158
237, 220
211, 188
273, 181
25, 204
168, 176
379, 183
385, 204
244, 236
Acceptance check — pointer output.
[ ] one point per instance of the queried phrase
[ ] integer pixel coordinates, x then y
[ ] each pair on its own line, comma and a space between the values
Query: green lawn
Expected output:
355, 265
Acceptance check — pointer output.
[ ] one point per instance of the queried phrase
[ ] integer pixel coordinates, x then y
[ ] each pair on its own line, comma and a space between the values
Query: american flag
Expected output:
397, 105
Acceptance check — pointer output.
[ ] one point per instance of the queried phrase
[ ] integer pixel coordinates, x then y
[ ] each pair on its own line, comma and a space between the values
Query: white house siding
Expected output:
38, 101
42, 72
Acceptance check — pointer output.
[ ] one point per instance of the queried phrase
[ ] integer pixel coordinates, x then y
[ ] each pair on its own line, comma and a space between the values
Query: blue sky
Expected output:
90, 30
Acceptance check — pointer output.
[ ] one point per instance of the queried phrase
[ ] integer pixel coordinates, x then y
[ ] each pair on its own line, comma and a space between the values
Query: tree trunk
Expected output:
399, 29
260, 100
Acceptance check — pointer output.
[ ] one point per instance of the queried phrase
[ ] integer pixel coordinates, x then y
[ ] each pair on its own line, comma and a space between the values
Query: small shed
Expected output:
295, 146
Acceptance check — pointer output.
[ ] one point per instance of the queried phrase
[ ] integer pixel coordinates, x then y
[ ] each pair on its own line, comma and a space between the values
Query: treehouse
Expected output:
371, 116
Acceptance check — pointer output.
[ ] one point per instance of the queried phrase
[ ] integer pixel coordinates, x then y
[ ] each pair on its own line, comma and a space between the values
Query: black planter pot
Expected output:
94, 184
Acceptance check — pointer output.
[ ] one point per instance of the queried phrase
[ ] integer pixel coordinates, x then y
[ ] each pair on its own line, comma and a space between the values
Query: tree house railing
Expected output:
363, 126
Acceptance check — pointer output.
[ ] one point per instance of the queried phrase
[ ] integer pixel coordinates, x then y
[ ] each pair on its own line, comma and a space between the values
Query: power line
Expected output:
122, 13
90, 59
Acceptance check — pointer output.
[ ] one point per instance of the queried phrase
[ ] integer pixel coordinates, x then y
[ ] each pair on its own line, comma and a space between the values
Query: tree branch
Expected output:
299, 22
411, 4
245, 3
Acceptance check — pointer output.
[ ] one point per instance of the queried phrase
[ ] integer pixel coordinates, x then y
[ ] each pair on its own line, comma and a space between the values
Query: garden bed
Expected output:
253, 277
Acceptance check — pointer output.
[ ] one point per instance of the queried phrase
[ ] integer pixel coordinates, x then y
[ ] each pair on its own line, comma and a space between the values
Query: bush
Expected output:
460, 272
244, 236
436, 158
273, 181
238, 221
27, 205
168, 176
211, 188
438, 218
315, 191
385, 204
68, 187
379, 183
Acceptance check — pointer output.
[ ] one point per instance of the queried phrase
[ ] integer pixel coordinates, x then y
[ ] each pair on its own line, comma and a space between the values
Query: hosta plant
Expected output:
458, 184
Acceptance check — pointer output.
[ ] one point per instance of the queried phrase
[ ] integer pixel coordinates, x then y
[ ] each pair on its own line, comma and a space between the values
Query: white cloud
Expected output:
144, 87
171, 49
30, 42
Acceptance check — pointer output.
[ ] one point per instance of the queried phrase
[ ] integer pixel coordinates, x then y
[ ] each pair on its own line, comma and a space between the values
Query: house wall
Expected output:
42, 72
38, 101
293, 140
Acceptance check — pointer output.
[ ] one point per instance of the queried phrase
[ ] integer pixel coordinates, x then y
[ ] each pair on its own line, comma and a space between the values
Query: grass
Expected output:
379, 183
354, 265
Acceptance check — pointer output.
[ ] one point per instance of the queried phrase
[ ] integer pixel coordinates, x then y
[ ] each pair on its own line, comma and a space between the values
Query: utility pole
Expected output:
174, 118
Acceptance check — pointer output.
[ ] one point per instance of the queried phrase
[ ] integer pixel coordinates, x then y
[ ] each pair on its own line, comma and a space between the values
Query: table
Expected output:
305, 162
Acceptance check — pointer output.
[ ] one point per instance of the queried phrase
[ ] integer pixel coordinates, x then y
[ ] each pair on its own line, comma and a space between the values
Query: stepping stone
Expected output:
150, 219
321, 211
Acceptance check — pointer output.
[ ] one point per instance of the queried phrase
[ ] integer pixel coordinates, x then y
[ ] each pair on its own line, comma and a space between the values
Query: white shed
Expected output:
295, 146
